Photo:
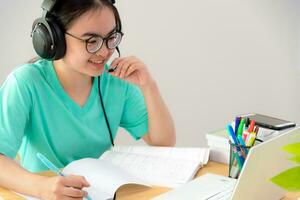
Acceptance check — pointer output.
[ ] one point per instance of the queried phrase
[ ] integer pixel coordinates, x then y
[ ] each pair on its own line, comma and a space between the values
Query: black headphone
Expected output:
48, 36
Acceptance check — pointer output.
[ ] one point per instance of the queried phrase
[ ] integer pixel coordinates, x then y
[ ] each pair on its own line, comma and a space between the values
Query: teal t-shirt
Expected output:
37, 115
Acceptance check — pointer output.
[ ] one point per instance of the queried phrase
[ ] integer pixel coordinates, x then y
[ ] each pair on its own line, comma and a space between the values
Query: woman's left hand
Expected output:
161, 131
133, 70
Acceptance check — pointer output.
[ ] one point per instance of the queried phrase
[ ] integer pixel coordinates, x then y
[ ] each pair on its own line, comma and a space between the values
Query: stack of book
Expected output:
218, 144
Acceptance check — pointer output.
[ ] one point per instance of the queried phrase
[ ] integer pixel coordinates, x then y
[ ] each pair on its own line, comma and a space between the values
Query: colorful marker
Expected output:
231, 134
256, 129
236, 124
247, 122
241, 127
244, 147
252, 123
245, 135
251, 139
234, 140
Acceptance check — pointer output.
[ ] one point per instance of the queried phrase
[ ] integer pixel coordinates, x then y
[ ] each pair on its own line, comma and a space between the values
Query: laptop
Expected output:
263, 162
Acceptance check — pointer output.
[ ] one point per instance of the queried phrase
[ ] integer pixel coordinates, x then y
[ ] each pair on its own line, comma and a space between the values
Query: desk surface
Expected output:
133, 192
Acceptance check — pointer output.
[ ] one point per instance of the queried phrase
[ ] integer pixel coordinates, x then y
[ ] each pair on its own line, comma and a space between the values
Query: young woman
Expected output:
69, 104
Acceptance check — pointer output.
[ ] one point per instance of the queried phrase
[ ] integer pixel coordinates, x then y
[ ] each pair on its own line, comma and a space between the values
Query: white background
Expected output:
213, 59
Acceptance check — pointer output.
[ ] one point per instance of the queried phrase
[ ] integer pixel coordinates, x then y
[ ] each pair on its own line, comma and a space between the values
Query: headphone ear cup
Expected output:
59, 39
48, 39
42, 40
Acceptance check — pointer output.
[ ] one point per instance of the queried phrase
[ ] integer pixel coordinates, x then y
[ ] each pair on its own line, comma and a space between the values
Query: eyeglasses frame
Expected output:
104, 40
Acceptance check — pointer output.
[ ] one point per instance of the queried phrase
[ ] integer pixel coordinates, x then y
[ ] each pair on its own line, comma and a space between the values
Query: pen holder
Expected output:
238, 155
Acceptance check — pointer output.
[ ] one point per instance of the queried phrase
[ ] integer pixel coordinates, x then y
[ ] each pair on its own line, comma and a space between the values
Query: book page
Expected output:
160, 166
200, 154
104, 177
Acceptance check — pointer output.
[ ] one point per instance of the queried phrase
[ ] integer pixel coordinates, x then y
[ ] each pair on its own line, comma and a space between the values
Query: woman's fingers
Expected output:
123, 65
73, 187
64, 188
75, 181
71, 198
126, 67
115, 62
131, 69
74, 192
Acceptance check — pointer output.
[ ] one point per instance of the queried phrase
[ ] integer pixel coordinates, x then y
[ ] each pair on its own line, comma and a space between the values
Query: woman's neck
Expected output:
76, 84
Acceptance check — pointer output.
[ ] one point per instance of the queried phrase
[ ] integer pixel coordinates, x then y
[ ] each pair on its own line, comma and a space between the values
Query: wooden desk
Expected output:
133, 192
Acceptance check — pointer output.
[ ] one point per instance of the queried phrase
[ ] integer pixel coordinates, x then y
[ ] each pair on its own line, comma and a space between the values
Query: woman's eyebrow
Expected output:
93, 34
90, 34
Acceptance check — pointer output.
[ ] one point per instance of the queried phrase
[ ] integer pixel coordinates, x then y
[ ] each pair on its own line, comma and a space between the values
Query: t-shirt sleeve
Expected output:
15, 104
135, 116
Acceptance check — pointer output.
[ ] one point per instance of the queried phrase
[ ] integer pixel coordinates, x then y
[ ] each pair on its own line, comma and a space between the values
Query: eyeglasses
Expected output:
94, 43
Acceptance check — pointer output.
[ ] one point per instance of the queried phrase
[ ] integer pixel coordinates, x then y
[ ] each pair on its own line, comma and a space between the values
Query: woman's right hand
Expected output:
63, 188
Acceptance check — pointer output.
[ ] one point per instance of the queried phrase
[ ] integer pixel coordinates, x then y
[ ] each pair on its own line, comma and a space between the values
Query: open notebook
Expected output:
160, 166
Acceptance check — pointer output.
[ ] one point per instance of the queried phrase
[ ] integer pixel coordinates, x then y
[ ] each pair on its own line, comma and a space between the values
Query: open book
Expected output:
144, 165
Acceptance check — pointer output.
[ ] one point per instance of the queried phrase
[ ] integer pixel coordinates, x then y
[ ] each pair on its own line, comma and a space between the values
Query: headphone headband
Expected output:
48, 5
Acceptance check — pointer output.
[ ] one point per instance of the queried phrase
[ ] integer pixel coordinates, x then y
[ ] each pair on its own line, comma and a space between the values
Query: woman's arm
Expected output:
161, 126
16, 178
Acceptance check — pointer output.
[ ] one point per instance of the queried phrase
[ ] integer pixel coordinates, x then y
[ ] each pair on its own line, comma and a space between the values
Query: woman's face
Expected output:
96, 22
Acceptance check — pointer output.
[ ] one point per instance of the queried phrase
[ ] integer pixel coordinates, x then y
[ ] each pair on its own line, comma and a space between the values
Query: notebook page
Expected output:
104, 177
201, 154
157, 170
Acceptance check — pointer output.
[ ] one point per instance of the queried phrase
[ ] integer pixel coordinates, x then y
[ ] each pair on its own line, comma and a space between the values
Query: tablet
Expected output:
270, 122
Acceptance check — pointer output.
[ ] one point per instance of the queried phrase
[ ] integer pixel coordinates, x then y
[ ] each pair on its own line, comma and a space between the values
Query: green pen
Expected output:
241, 127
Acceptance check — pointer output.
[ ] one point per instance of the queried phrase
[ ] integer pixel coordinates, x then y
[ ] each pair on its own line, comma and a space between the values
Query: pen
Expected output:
236, 124
243, 144
234, 141
256, 129
241, 141
245, 134
49, 164
52, 167
231, 134
250, 139
241, 127
252, 123
247, 123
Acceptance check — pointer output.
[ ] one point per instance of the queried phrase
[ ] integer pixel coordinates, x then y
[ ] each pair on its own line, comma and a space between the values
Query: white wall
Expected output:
16, 17
213, 59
